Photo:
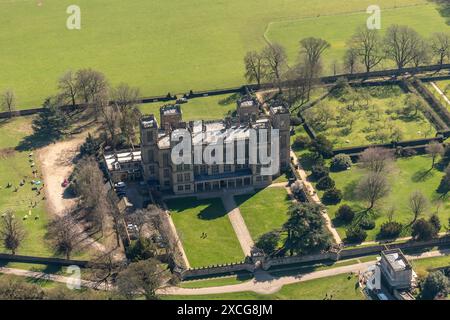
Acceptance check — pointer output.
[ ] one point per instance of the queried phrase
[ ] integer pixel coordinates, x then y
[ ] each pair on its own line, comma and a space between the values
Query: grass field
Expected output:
27, 205
264, 211
204, 108
217, 282
341, 287
423, 266
15, 166
171, 45
409, 175
441, 85
375, 123
193, 217
338, 29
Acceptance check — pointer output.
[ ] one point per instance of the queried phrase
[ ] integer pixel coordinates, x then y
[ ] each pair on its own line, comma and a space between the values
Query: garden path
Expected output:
238, 223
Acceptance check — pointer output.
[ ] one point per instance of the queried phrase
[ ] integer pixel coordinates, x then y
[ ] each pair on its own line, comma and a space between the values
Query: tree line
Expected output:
367, 49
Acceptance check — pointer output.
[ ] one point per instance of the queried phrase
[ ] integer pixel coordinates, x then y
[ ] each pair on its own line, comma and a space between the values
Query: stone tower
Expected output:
149, 146
280, 116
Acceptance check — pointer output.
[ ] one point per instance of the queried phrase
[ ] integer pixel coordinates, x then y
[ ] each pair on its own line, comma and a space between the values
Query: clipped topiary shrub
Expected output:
340, 162
390, 230
325, 183
355, 234
345, 213
367, 223
319, 171
332, 196
301, 142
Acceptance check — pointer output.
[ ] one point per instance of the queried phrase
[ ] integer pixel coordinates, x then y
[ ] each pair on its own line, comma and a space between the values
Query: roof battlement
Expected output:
149, 121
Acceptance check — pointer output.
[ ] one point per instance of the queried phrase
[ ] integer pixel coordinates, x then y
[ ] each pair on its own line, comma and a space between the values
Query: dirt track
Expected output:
57, 164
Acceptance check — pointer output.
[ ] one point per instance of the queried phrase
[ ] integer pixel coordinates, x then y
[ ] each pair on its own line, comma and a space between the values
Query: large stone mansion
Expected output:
153, 162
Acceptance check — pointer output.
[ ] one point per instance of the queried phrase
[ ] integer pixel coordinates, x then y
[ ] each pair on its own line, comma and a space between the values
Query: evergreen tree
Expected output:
51, 123
306, 229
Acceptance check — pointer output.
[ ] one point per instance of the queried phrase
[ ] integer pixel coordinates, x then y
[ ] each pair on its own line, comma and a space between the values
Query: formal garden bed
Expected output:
205, 231
355, 116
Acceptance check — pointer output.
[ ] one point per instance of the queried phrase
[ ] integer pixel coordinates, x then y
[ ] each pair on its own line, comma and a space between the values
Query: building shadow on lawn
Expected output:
212, 212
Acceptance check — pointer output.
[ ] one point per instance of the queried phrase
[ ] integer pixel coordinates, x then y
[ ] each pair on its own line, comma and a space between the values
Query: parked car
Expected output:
120, 185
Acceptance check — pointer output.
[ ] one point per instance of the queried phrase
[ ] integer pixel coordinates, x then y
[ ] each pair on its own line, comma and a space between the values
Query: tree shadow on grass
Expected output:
349, 191
35, 141
422, 175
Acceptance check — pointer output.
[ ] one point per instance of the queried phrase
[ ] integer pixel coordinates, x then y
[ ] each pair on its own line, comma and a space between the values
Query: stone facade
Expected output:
156, 147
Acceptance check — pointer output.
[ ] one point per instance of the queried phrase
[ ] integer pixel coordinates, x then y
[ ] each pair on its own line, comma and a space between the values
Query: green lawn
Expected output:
441, 85
264, 211
338, 29
204, 108
217, 282
193, 217
423, 266
14, 167
409, 175
162, 46
341, 287
375, 123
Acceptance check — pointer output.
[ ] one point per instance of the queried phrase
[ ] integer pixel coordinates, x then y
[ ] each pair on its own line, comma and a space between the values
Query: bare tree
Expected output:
11, 231
68, 88
255, 68
351, 60
440, 46
401, 44
144, 218
89, 182
104, 268
311, 51
372, 188
296, 93
64, 234
126, 99
92, 87
421, 53
434, 149
367, 44
8, 100
376, 160
142, 277
418, 203
275, 62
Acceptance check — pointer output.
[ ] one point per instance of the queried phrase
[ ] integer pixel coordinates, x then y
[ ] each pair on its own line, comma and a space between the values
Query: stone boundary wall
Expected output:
217, 270
418, 145
244, 88
266, 263
41, 260
435, 104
